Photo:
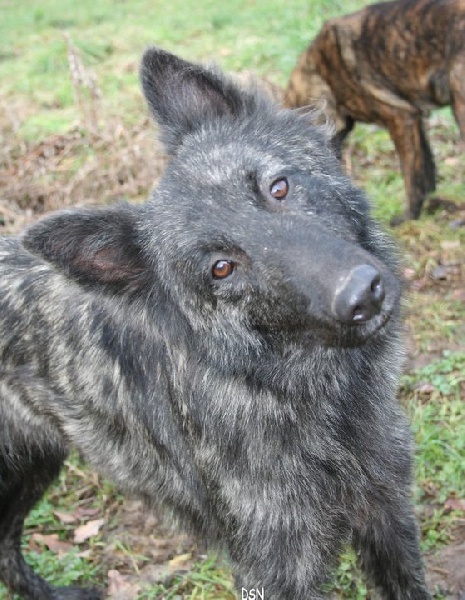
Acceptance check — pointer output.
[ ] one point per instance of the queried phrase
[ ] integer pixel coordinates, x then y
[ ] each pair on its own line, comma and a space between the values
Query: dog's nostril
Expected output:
361, 296
377, 288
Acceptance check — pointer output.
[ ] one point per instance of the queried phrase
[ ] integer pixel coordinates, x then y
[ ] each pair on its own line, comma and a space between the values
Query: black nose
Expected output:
361, 296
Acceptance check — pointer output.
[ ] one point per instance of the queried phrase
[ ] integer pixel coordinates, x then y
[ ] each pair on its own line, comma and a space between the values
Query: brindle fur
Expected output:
260, 408
389, 64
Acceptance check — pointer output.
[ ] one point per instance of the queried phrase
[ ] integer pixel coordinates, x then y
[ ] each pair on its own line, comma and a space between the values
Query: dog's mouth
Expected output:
375, 316
359, 334
331, 332
354, 335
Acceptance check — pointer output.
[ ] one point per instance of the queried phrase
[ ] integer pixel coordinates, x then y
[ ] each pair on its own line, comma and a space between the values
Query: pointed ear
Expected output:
92, 245
182, 96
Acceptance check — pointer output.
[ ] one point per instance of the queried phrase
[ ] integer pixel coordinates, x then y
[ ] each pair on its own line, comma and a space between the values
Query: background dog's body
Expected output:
389, 64
230, 350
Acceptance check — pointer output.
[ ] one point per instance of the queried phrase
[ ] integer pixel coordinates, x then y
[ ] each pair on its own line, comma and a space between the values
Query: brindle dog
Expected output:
389, 64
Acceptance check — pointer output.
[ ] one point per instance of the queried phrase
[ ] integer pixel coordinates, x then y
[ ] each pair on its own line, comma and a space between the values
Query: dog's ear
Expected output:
92, 245
183, 96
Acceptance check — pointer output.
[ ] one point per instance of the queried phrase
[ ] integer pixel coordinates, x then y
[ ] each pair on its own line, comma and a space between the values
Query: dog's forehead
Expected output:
230, 162
217, 161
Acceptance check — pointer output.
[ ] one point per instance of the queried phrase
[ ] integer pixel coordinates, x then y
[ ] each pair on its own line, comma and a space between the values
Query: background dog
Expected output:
389, 64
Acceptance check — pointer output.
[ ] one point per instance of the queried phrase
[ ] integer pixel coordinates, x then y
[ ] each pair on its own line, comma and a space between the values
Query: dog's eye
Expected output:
223, 268
279, 188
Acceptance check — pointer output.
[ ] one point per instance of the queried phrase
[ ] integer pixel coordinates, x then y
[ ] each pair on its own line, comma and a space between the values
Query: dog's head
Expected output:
254, 221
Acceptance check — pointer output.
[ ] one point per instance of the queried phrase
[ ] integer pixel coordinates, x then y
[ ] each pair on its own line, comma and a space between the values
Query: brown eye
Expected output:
279, 188
222, 269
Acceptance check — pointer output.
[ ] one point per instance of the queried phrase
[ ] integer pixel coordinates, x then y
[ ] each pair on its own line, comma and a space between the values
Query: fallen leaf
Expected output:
180, 560
455, 504
66, 518
450, 244
76, 515
425, 388
451, 161
87, 512
459, 294
88, 530
53, 543
409, 273
119, 588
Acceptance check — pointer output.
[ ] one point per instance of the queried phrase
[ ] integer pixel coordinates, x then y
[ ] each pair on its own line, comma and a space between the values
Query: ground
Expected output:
58, 151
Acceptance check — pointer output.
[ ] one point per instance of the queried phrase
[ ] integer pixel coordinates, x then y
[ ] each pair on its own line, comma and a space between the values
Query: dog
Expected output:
389, 64
229, 350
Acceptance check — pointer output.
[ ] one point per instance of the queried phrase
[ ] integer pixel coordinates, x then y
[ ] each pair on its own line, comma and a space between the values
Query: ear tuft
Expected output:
95, 246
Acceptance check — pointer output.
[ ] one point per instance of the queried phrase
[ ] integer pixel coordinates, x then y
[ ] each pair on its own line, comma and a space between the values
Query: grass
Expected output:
261, 36
39, 99
209, 579
438, 420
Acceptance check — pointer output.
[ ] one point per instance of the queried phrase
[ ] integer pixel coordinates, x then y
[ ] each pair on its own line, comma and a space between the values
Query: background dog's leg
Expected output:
338, 139
390, 554
457, 88
416, 159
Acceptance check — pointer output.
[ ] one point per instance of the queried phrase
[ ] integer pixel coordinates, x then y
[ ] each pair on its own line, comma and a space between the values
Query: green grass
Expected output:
71, 568
265, 37
210, 579
438, 420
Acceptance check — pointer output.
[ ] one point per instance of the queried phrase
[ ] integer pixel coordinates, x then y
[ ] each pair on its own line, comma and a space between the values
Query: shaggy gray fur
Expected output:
230, 350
